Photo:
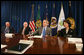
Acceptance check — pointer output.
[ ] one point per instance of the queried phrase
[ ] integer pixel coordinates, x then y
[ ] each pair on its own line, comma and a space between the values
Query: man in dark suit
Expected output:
7, 28
25, 29
45, 30
67, 31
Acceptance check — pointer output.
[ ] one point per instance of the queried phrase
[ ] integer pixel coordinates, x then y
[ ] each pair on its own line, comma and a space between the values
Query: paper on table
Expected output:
3, 46
31, 37
79, 46
29, 42
35, 36
9, 35
74, 40
26, 41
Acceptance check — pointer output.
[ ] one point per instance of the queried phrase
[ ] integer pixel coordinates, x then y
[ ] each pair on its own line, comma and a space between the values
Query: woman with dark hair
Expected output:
67, 31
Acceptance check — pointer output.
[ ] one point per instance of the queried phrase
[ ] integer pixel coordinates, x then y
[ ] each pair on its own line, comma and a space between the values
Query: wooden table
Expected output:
49, 45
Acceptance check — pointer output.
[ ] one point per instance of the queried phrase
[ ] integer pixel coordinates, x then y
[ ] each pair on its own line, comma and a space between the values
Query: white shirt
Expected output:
67, 31
23, 31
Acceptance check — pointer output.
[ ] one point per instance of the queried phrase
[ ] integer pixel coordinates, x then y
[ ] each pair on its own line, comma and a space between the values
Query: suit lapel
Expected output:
46, 30
64, 31
40, 30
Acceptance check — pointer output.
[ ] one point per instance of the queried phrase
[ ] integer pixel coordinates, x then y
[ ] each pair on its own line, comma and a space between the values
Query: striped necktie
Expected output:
6, 30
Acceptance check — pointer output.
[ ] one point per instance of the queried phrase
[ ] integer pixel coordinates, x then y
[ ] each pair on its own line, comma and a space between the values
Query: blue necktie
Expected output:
43, 31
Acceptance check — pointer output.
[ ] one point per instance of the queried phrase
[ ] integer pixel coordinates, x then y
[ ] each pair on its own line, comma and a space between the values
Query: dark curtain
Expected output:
19, 11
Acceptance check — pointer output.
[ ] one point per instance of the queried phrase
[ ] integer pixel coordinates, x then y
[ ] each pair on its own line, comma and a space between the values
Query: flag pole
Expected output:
61, 4
38, 12
32, 10
70, 3
54, 5
46, 11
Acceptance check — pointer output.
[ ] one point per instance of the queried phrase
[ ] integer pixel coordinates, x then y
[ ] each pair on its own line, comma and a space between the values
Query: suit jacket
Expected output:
11, 29
39, 31
70, 32
25, 32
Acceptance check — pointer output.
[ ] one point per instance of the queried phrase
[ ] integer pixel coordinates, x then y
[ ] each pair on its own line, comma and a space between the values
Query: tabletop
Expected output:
47, 45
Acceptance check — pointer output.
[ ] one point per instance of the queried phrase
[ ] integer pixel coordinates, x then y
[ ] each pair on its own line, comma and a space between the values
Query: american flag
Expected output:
32, 23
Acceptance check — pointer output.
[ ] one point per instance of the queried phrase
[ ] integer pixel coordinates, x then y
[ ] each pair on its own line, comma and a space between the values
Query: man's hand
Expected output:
46, 35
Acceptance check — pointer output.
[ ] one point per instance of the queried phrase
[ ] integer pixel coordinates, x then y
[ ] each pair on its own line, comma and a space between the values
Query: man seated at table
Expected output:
7, 28
67, 31
45, 30
25, 29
